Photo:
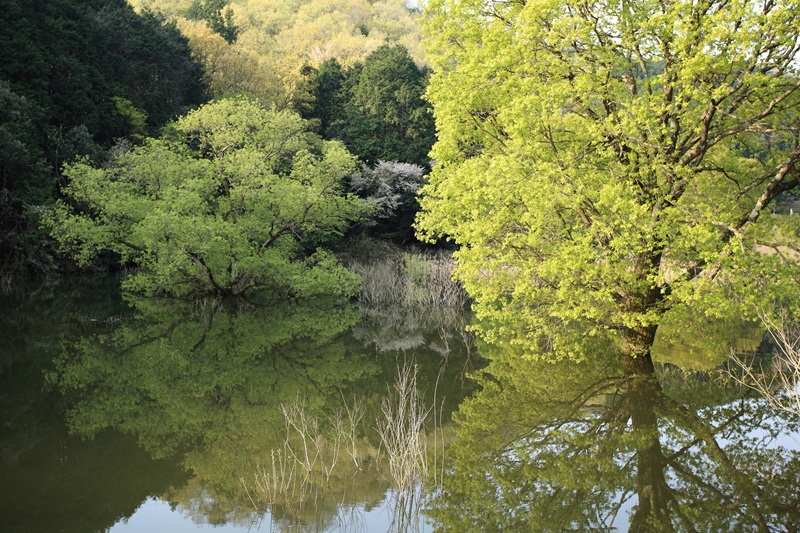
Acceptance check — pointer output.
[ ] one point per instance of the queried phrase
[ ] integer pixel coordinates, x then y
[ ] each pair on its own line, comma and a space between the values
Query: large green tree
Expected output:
603, 164
238, 200
325, 90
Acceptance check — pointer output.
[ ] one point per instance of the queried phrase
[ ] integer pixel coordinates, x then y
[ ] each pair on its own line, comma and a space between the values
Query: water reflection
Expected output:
274, 410
177, 372
50, 480
297, 418
577, 447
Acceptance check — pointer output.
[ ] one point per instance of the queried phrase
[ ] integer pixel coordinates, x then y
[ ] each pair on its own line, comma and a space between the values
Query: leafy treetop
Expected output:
606, 164
235, 200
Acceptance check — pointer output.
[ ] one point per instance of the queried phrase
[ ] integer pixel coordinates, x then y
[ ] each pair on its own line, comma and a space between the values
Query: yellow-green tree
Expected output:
231, 69
237, 201
604, 164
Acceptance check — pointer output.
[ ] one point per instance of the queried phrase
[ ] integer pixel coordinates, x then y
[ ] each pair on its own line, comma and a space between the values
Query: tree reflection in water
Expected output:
270, 408
579, 446
206, 383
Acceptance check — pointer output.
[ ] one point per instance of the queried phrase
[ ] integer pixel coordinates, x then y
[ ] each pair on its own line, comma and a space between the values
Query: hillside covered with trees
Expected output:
262, 47
75, 75
88, 81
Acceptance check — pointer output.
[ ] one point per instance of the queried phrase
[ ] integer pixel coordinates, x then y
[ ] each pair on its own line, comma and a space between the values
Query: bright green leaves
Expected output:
599, 164
230, 125
232, 204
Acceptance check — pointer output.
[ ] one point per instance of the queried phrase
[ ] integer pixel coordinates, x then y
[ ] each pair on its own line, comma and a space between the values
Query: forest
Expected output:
523, 265
226, 148
89, 84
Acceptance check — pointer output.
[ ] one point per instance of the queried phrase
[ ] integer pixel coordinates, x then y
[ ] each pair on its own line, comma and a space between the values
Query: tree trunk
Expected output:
652, 509
636, 346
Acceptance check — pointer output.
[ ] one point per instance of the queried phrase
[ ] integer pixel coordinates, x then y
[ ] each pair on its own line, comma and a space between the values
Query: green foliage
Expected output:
72, 57
131, 119
211, 12
276, 41
324, 89
298, 54
605, 164
381, 114
74, 76
235, 200
147, 61
23, 167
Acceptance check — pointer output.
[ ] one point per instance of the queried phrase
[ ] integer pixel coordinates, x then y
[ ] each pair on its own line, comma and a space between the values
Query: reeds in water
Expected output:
404, 439
314, 457
778, 383
302, 472
412, 280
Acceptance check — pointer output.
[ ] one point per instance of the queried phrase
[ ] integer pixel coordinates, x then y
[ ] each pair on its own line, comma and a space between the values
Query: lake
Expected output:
154, 415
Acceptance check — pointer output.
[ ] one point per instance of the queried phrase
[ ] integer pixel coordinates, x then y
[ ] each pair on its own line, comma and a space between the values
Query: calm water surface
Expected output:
154, 415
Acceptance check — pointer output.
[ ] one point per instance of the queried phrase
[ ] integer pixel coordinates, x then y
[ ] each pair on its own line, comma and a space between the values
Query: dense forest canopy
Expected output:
275, 39
73, 58
375, 108
74, 76
79, 76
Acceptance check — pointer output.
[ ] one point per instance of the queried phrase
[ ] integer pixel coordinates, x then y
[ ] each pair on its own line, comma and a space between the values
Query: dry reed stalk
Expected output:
300, 471
403, 437
780, 384
412, 280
